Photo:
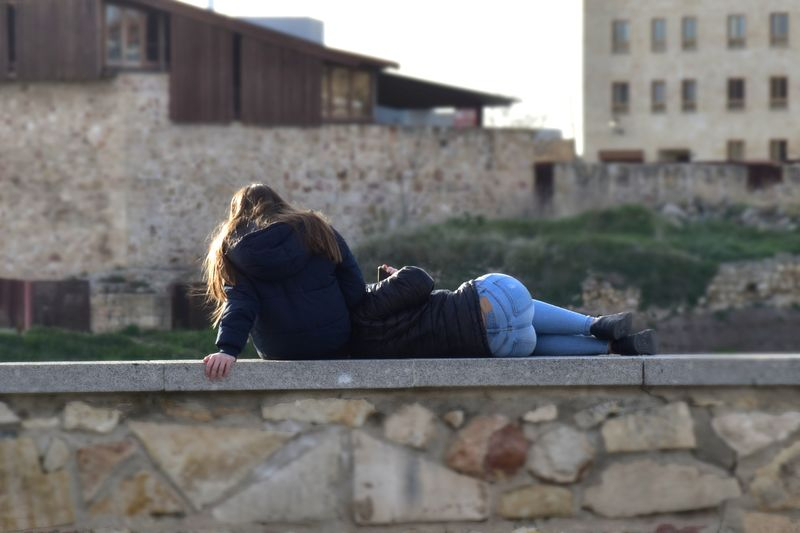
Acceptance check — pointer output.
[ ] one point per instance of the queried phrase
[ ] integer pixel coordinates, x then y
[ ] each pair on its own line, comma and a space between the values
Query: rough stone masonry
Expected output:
482, 459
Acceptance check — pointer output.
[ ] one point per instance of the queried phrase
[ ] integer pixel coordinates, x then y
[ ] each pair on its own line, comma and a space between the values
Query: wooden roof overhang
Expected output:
247, 29
403, 92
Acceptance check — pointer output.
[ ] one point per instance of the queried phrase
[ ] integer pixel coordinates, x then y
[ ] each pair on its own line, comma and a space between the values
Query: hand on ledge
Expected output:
218, 365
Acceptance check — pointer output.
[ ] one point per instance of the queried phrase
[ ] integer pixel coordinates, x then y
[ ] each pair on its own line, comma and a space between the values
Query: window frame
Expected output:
778, 102
620, 47
738, 103
779, 150
779, 41
741, 151
620, 107
658, 45
657, 106
688, 106
161, 39
686, 43
326, 88
737, 42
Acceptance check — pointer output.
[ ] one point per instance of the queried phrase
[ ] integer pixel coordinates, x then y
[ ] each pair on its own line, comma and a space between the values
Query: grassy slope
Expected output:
629, 245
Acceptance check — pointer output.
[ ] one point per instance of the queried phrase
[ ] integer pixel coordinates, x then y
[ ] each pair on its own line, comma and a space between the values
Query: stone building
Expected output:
124, 133
679, 81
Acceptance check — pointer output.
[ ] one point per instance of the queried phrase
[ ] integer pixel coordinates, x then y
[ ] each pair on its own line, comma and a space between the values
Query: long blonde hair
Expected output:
257, 206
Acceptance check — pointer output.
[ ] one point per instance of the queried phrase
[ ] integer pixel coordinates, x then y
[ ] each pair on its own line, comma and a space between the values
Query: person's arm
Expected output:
351, 280
405, 288
237, 319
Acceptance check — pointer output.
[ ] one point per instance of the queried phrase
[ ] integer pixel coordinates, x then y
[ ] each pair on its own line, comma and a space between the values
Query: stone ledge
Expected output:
663, 370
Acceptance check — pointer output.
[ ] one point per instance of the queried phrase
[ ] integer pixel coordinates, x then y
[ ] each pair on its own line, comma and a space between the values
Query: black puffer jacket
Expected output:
402, 316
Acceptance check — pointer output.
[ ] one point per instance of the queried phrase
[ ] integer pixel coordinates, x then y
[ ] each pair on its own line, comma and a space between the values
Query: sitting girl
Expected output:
493, 315
282, 275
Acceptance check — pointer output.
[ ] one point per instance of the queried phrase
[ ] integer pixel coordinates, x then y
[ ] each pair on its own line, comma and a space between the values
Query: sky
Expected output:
527, 49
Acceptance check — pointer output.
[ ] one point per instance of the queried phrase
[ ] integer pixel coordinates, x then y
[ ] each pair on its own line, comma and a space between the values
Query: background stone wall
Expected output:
555, 459
578, 187
96, 178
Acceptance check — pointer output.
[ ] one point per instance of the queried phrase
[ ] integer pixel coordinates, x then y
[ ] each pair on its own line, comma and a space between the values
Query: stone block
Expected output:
141, 494
753, 522
728, 369
82, 416
413, 425
775, 485
57, 455
29, 498
544, 413
535, 501
293, 375
36, 424
487, 447
454, 419
667, 427
352, 413
314, 479
206, 461
749, 432
645, 487
7, 416
82, 377
97, 462
392, 485
561, 455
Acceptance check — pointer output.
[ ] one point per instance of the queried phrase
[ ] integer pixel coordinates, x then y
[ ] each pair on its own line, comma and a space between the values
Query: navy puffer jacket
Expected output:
295, 304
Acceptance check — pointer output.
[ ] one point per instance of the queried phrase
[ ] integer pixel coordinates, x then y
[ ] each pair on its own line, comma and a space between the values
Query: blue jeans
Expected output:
519, 326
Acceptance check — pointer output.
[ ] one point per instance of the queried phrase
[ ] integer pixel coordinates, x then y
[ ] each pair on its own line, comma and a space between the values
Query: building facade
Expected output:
678, 80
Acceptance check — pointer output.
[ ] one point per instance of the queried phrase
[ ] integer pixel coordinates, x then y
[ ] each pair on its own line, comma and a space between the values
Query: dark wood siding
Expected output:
279, 85
3, 40
58, 40
61, 304
201, 80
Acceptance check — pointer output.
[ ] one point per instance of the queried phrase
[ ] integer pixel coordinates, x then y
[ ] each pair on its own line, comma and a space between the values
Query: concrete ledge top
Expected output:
250, 375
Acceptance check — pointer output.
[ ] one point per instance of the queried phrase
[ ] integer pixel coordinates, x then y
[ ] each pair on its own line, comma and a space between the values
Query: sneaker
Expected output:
641, 343
612, 327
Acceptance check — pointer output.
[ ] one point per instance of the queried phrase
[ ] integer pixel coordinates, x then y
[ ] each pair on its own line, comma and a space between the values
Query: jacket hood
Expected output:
274, 252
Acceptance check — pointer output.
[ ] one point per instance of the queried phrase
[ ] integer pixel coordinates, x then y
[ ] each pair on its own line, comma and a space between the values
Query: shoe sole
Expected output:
645, 342
623, 327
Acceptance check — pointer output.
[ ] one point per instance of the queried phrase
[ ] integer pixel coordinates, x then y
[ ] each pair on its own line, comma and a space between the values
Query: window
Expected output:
689, 95
346, 94
778, 149
779, 29
134, 38
689, 33
736, 93
620, 37
619, 97
658, 95
778, 93
737, 29
658, 35
735, 150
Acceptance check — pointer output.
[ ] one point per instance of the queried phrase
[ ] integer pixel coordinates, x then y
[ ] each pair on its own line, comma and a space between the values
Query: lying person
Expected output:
493, 315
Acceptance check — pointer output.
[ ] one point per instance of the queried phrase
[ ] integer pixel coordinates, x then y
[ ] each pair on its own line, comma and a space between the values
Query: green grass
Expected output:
50, 344
630, 245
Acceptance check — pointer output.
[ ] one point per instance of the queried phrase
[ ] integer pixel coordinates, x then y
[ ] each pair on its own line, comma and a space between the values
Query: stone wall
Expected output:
482, 459
578, 187
771, 282
110, 185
